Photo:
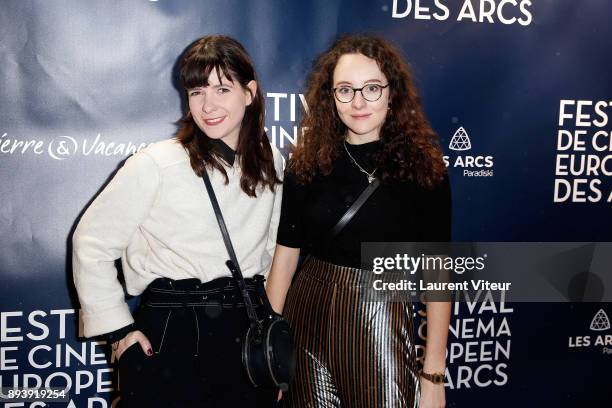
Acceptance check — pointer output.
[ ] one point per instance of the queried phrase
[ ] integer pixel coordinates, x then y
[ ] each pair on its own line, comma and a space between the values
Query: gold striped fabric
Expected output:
352, 351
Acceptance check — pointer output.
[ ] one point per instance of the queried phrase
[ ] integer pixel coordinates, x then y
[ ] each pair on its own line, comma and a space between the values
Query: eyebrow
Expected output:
365, 82
229, 83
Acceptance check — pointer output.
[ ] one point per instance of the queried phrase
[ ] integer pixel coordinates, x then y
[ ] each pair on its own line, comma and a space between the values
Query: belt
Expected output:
164, 292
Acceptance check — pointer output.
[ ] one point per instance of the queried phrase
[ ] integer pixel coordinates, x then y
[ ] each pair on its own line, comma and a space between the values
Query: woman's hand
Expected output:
132, 337
432, 395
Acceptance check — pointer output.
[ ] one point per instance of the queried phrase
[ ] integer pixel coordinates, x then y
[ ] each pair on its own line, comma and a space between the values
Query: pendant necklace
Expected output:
370, 176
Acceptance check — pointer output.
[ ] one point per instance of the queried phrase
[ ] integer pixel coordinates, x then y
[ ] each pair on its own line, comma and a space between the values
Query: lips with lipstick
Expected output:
214, 121
361, 116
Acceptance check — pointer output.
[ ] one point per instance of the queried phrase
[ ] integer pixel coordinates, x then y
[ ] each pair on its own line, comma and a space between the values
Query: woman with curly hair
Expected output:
365, 125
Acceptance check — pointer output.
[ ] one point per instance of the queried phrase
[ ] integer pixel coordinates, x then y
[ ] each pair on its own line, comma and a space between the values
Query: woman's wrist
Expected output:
431, 365
436, 378
119, 334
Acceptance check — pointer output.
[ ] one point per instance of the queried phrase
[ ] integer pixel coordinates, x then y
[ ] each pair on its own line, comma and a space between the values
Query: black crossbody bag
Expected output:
268, 354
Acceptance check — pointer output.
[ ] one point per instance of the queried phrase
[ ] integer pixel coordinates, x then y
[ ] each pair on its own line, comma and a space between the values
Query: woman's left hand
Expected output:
432, 395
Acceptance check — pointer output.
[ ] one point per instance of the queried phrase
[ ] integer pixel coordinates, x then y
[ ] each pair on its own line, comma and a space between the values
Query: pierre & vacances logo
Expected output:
64, 147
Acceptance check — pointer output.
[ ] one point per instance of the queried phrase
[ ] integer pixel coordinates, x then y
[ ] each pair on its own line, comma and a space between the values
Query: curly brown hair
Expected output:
410, 148
226, 55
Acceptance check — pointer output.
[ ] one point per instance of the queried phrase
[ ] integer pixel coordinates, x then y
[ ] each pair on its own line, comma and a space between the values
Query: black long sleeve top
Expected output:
396, 212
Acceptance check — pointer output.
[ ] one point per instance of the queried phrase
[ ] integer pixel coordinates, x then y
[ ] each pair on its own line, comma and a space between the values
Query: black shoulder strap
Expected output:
232, 264
350, 213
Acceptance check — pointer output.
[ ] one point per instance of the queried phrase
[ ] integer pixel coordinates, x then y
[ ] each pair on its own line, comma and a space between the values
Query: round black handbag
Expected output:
267, 353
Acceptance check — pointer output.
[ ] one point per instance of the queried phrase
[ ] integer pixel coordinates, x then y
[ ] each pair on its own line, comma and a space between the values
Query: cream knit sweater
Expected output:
156, 216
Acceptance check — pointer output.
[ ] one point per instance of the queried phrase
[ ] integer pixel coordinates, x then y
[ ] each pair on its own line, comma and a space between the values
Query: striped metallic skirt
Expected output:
352, 351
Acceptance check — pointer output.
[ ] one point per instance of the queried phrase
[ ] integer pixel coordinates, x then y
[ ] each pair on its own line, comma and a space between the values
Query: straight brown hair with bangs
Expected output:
226, 55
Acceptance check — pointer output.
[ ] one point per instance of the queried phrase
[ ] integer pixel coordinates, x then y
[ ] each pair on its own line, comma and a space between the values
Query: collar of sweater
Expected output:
226, 152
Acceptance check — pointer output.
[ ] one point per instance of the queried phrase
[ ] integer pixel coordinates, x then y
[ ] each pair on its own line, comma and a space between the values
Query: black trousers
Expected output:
196, 334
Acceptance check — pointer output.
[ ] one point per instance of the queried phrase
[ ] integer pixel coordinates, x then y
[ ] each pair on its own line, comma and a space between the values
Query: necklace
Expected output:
370, 176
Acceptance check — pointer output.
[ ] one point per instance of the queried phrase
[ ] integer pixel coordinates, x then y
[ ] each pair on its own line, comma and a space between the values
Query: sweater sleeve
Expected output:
102, 234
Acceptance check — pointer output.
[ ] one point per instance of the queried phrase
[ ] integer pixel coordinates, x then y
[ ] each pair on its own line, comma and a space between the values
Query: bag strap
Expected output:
232, 263
350, 213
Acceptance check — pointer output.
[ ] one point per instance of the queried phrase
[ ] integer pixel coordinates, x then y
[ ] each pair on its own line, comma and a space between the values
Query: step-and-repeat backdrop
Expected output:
519, 91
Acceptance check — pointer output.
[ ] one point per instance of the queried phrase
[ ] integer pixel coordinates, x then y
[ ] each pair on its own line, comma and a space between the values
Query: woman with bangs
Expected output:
182, 348
365, 131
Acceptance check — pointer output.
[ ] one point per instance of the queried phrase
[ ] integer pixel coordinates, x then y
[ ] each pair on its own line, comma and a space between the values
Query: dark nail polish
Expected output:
149, 352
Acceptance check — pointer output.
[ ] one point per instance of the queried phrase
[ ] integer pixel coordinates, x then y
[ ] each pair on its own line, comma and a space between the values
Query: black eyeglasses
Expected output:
370, 92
